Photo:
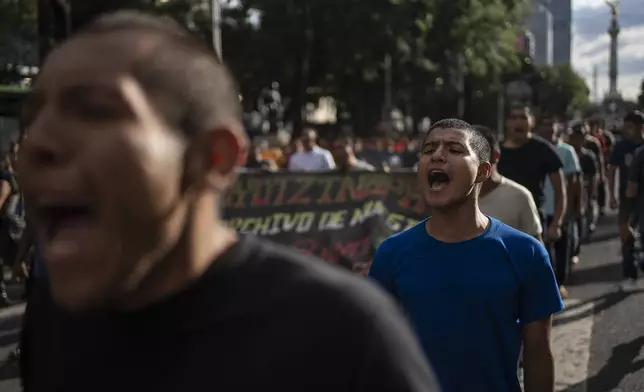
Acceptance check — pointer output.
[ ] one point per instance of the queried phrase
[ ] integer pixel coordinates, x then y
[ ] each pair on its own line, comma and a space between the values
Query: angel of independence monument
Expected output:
613, 104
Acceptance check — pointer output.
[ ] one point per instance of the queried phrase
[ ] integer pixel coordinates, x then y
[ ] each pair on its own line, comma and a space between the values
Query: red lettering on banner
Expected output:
326, 194
306, 246
300, 196
280, 183
329, 255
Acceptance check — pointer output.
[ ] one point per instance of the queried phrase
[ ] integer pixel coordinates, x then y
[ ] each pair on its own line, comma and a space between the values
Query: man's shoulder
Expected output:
515, 240
566, 148
539, 142
320, 151
515, 189
329, 287
403, 239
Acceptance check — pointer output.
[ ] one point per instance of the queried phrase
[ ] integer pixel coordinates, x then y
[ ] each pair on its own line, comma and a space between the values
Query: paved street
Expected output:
598, 340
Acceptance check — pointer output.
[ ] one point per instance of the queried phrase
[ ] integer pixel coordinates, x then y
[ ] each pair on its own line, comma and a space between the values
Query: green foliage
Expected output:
18, 24
562, 90
640, 97
337, 48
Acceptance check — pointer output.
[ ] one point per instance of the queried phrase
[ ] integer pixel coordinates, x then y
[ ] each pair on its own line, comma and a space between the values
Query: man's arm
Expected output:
593, 181
575, 187
329, 161
557, 180
530, 219
610, 175
614, 161
538, 362
634, 175
539, 300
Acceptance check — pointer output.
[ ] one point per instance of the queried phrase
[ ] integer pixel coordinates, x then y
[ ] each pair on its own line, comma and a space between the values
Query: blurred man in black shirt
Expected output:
528, 159
133, 133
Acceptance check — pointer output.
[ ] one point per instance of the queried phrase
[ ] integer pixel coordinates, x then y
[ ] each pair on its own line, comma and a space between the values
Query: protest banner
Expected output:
340, 217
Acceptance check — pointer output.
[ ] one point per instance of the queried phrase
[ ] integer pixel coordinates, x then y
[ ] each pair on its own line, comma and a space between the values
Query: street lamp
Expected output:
215, 8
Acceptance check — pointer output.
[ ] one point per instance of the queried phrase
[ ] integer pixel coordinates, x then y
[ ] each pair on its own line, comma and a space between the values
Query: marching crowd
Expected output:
137, 284
550, 178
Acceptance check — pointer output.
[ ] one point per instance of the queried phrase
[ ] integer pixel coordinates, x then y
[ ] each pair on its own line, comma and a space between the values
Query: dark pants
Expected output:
629, 267
561, 251
601, 195
629, 270
580, 230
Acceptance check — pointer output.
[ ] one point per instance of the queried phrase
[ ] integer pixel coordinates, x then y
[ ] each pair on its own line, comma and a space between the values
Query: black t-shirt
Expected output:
530, 164
589, 164
261, 319
621, 158
593, 145
636, 175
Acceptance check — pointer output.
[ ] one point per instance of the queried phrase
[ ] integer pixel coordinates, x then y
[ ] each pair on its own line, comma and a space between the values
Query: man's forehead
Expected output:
447, 135
103, 52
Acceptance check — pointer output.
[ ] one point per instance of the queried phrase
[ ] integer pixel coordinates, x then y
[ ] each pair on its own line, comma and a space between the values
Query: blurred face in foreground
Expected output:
103, 174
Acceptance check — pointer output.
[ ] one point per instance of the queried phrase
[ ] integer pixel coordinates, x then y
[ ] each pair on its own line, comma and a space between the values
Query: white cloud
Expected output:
590, 45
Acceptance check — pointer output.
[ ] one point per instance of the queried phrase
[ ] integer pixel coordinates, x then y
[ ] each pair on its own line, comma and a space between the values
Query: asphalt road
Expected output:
597, 340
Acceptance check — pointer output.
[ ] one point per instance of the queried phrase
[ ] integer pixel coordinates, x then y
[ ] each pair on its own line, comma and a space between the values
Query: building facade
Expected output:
540, 25
562, 30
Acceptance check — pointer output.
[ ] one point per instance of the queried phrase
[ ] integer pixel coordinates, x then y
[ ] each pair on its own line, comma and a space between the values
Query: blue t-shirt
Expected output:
468, 301
621, 157
571, 165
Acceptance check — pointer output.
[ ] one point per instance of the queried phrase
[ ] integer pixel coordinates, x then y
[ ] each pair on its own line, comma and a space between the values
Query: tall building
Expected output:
562, 30
540, 24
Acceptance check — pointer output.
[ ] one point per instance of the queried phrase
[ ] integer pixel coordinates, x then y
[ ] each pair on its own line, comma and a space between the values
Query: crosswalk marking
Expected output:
571, 338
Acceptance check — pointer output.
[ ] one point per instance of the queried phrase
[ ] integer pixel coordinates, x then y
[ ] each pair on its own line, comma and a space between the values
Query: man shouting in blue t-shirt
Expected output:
475, 289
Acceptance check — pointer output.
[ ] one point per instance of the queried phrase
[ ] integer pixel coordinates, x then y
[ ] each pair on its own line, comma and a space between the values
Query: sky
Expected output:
590, 45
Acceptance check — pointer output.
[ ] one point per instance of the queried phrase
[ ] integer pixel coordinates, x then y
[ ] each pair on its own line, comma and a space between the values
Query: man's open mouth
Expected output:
437, 180
58, 218
63, 229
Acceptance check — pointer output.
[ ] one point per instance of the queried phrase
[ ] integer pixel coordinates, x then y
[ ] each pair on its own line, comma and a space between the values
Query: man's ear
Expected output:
215, 157
496, 155
484, 172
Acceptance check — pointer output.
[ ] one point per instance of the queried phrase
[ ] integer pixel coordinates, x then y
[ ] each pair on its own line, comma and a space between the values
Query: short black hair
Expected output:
489, 135
478, 142
194, 91
579, 128
636, 117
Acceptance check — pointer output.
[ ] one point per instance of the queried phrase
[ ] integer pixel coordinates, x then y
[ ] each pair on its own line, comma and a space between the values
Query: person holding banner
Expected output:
475, 289
133, 133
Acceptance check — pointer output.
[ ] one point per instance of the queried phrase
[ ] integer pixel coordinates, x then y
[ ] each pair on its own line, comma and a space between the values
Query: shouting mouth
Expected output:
437, 180
65, 228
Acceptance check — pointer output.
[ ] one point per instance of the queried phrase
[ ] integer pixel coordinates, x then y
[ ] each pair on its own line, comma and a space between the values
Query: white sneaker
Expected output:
629, 285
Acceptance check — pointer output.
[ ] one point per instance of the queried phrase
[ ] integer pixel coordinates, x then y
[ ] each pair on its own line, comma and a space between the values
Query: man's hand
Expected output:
553, 233
613, 203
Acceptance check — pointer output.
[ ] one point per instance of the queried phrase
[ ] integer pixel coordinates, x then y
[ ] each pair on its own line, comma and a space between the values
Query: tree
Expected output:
18, 31
338, 47
640, 97
561, 90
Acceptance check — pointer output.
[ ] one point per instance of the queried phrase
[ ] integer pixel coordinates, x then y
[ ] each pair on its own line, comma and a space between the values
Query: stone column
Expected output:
613, 32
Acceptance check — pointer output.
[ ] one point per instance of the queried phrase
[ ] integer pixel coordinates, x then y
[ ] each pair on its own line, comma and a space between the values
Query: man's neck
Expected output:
459, 224
204, 239
518, 142
492, 183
